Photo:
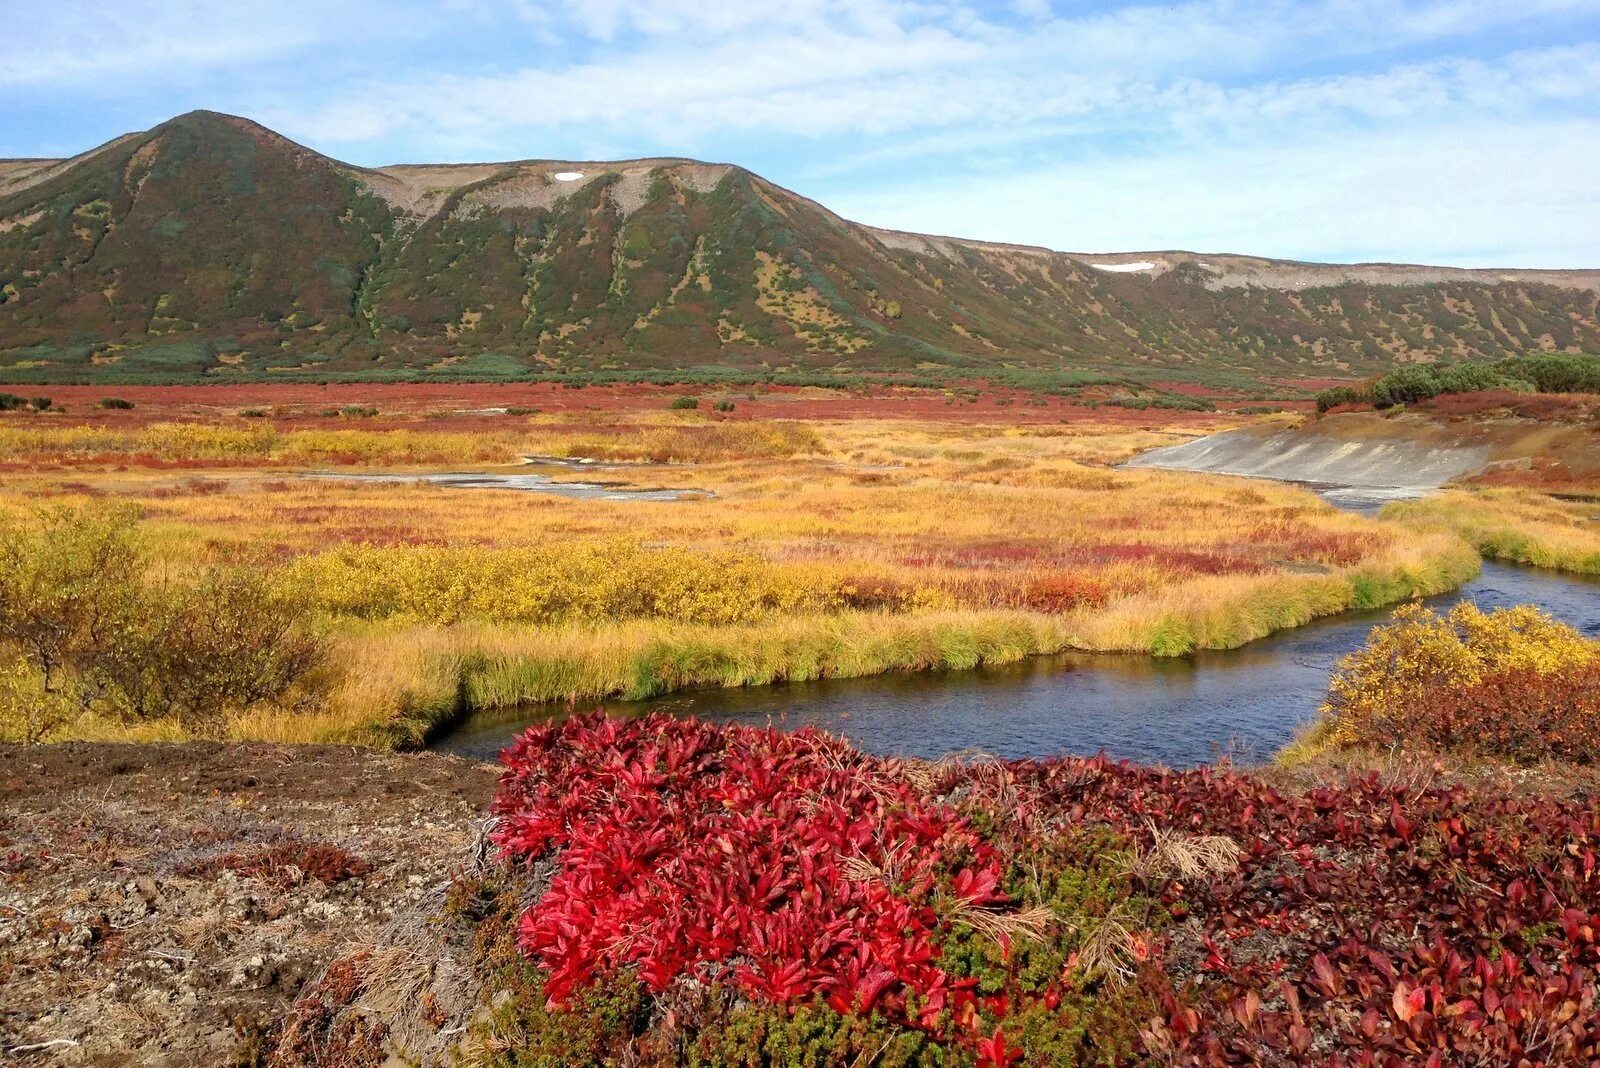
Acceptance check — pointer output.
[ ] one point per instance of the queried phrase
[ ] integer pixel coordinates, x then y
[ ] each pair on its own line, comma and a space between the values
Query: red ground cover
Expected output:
448, 406
1365, 923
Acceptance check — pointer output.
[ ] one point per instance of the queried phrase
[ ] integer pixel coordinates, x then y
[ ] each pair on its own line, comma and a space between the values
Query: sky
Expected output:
1462, 132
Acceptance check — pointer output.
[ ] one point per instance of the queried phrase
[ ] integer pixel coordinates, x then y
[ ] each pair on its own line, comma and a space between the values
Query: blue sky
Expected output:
1441, 131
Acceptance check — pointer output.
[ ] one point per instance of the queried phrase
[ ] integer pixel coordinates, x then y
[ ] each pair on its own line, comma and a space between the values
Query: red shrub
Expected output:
1366, 924
685, 850
1063, 592
1520, 715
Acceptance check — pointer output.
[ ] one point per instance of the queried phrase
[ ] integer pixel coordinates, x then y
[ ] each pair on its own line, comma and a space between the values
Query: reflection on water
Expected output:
1247, 702
529, 482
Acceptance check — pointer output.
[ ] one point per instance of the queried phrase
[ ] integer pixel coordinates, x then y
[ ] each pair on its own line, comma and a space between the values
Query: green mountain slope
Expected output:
212, 247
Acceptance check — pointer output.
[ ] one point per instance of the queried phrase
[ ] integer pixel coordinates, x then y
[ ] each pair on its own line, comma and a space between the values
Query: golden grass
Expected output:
861, 547
1520, 525
660, 437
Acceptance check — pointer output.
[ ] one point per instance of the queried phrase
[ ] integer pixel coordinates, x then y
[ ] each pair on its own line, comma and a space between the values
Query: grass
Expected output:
1520, 525
830, 549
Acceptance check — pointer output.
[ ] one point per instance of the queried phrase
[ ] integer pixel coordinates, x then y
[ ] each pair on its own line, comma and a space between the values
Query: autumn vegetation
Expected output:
735, 896
816, 549
674, 893
1509, 685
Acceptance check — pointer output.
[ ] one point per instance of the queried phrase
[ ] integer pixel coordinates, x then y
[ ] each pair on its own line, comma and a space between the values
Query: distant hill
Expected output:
210, 247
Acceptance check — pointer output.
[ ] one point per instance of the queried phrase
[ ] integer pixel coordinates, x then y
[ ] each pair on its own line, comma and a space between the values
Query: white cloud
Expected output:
1350, 196
861, 100
821, 68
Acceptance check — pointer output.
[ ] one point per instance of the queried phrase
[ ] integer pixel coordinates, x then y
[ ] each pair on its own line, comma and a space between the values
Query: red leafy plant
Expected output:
788, 866
1363, 923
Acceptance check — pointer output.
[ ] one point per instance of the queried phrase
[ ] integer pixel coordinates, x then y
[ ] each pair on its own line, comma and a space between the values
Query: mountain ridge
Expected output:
210, 245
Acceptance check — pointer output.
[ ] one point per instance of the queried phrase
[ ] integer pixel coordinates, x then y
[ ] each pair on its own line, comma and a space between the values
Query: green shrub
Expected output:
116, 403
684, 403
724, 406
357, 411
1341, 395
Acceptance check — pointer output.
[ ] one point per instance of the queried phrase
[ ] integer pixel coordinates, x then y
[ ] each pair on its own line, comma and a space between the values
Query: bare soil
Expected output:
184, 904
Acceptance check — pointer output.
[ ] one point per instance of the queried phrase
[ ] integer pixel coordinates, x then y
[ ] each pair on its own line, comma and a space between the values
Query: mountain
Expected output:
212, 247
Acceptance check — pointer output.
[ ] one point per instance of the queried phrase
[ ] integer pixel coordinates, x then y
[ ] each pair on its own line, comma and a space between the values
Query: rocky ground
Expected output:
220, 904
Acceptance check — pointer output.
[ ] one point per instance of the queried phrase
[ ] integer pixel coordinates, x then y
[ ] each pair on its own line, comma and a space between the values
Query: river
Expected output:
1244, 703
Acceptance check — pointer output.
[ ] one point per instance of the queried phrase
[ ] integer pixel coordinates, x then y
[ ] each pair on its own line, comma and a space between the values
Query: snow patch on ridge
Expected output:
567, 176
1124, 268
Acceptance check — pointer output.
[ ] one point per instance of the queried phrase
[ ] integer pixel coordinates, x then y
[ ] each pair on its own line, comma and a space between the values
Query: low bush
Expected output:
1511, 683
735, 896
683, 403
10, 402
1418, 382
83, 632
1339, 396
115, 403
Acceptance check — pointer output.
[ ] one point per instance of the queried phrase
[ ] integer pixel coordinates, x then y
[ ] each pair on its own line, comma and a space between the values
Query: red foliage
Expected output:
1367, 923
1522, 715
685, 850
451, 406
287, 863
1544, 407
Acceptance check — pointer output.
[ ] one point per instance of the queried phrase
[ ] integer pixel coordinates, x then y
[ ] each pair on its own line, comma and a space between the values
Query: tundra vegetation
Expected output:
738, 896
1414, 884
828, 549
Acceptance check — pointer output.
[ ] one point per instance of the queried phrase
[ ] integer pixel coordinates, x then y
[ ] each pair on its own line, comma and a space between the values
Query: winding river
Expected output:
1243, 703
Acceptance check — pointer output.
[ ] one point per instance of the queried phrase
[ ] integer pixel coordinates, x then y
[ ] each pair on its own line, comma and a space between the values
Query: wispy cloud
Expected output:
1218, 123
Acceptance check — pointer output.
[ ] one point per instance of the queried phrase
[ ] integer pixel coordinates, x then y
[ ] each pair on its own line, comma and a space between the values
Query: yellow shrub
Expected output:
1422, 651
585, 581
201, 441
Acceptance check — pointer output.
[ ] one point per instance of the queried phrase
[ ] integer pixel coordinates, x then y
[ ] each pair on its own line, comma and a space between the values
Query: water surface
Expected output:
528, 482
1179, 711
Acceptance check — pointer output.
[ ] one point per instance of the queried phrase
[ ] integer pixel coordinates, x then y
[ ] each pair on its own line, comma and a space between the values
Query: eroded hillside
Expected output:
210, 246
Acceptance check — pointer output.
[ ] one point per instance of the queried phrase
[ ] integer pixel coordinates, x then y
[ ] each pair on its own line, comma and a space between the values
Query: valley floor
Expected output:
978, 532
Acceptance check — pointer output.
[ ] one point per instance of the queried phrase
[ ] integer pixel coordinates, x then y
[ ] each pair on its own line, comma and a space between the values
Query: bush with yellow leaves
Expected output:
1512, 682
558, 582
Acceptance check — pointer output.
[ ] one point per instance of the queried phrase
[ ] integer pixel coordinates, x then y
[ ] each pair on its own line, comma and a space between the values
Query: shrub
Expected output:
736, 896
69, 586
230, 640
83, 631
1522, 715
115, 403
1408, 385
519, 410
40, 404
253, 413
1424, 679
1338, 396
683, 403
724, 406
791, 872
1557, 373
357, 411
